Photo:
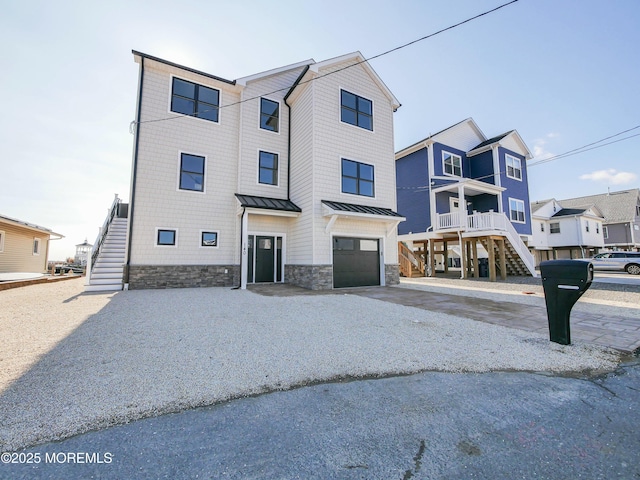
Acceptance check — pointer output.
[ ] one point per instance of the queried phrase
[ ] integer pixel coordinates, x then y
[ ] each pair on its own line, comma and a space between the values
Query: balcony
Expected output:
475, 222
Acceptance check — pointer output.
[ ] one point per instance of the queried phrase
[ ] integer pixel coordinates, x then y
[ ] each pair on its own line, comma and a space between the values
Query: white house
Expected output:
564, 233
283, 176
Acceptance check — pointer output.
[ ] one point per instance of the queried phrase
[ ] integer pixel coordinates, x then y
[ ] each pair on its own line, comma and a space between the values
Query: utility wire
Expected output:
584, 148
451, 27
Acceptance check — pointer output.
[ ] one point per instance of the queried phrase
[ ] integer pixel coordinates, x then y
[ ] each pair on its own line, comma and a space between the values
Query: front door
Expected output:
265, 259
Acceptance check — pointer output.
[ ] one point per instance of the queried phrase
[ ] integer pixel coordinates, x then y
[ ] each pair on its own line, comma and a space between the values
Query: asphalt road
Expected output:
621, 278
501, 425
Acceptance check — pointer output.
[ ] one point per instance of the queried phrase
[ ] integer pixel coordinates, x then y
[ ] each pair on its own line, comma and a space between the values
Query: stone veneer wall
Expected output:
313, 277
183, 276
392, 274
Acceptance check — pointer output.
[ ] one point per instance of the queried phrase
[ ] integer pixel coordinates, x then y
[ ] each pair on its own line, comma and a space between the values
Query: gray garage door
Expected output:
356, 262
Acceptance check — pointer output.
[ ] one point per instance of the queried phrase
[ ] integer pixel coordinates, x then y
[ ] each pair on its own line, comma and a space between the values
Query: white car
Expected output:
621, 261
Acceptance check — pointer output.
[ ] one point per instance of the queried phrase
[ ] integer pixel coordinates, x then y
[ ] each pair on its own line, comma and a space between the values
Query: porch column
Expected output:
492, 260
244, 251
462, 207
474, 248
445, 254
464, 257
469, 257
503, 259
432, 259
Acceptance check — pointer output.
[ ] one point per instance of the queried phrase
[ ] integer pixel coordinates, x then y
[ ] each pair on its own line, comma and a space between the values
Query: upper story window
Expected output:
268, 168
554, 227
196, 100
516, 210
597, 227
541, 226
605, 231
586, 226
356, 110
514, 167
451, 164
269, 115
166, 237
357, 178
36, 246
191, 172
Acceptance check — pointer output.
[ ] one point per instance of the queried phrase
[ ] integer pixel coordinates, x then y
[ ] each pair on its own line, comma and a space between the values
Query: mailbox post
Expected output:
564, 282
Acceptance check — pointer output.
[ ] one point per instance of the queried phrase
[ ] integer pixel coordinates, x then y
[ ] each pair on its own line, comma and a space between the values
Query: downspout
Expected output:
244, 212
125, 273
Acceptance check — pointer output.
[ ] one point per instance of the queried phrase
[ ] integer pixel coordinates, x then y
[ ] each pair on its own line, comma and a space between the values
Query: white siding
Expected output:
158, 202
462, 136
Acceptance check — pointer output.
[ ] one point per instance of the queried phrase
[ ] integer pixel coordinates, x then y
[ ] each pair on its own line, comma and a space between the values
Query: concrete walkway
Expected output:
616, 331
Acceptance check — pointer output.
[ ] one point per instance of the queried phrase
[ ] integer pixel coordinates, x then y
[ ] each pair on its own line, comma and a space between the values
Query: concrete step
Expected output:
103, 288
105, 281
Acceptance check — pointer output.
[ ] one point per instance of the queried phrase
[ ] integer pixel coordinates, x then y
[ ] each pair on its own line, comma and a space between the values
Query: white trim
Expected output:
330, 212
204, 175
524, 211
258, 182
36, 241
155, 239
444, 172
279, 116
171, 112
381, 249
273, 213
209, 247
244, 80
507, 156
2, 236
373, 111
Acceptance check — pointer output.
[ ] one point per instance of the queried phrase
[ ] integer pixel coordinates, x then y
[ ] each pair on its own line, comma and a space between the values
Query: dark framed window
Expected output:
357, 178
195, 100
268, 168
356, 110
269, 115
554, 227
209, 239
191, 172
166, 237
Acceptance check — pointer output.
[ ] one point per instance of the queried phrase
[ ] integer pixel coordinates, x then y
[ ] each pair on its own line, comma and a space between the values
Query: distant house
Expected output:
24, 247
274, 177
621, 212
565, 233
465, 198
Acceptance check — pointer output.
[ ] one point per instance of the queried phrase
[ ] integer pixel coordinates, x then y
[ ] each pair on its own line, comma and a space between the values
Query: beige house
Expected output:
24, 247
283, 176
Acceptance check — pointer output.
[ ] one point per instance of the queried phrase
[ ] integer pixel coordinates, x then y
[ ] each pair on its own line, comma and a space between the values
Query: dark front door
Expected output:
356, 262
265, 259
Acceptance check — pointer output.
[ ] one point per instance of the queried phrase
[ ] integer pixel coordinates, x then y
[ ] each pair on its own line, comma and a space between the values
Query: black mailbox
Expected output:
564, 282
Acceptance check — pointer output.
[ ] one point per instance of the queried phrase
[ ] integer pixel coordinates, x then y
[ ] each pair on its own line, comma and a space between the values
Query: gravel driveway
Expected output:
72, 362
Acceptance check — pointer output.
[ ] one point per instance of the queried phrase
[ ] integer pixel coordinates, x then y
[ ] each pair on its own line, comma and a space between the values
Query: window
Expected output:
514, 167
597, 227
554, 227
542, 227
166, 237
451, 164
356, 110
36, 246
516, 210
357, 178
1, 241
605, 231
586, 226
268, 168
191, 172
209, 239
269, 115
195, 100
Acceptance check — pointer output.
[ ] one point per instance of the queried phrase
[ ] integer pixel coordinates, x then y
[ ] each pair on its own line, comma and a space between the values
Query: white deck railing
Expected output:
487, 221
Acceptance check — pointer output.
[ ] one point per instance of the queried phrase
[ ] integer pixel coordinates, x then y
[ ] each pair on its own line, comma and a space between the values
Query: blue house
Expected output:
465, 198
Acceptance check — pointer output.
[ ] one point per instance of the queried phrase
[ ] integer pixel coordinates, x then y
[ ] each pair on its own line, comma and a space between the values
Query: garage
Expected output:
356, 262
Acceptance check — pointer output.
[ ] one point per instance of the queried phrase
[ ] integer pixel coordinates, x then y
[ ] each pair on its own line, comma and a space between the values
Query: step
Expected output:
103, 288
105, 281
113, 277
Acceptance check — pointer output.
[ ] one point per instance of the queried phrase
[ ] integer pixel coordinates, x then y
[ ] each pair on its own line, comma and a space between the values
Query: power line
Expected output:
451, 27
584, 148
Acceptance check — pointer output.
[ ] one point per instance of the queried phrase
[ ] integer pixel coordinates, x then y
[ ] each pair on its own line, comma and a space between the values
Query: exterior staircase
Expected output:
411, 263
108, 258
514, 263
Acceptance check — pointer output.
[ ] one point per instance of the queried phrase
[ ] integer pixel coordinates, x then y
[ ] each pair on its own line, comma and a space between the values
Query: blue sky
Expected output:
563, 73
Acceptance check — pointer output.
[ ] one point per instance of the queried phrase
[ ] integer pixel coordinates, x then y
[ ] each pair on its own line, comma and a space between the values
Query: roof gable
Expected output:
510, 140
616, 207
462, 135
